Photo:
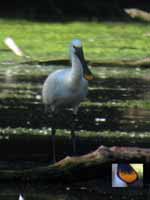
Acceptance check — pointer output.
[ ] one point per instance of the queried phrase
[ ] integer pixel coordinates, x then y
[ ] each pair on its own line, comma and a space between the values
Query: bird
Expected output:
124, 175
67, 88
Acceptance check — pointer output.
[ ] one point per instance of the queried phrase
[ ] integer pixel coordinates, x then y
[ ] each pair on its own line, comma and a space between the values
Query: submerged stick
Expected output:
81, 168
10, 43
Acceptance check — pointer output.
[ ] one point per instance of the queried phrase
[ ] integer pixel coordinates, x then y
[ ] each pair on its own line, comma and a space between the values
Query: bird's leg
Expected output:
73, 135
53, 136
73, 141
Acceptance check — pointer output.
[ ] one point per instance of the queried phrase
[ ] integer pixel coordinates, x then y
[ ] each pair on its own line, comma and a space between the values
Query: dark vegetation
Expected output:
55, 10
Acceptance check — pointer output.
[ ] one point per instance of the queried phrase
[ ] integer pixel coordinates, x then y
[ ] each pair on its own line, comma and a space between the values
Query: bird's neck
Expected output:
77, 70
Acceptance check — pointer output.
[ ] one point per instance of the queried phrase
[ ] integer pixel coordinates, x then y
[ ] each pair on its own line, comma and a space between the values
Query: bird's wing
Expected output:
53, 86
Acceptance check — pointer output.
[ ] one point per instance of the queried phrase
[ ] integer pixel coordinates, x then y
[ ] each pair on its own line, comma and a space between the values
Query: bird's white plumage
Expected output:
66, 87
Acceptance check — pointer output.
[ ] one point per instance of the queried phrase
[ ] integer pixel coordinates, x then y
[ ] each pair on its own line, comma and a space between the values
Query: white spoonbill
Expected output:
66, 88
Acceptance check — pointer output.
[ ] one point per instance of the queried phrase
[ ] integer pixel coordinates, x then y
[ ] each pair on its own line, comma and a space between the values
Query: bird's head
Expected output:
77, 49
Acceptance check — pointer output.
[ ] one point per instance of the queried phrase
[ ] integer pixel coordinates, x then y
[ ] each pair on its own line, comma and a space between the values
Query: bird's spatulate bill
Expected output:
86, 71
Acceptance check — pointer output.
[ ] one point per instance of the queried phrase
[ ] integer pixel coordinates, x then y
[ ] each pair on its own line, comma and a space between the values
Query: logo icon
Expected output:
127, 175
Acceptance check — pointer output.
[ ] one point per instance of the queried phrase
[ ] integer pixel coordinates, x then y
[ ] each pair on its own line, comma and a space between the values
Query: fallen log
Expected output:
138, 14
86, 167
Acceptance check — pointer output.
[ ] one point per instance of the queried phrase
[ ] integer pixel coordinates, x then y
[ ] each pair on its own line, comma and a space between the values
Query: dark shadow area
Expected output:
115, 119
65, 10
34, 148
94, 189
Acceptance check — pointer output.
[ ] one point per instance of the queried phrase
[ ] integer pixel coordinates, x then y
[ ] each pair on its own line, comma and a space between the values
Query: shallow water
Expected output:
118, 101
